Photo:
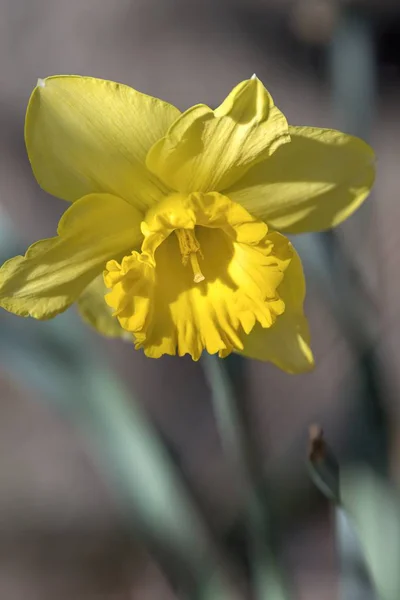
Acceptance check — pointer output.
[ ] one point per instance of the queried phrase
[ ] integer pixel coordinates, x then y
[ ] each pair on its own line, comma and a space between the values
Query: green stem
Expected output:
267, 580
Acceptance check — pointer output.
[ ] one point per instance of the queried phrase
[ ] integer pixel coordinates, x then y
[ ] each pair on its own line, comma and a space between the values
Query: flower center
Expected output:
190, 250
167, 309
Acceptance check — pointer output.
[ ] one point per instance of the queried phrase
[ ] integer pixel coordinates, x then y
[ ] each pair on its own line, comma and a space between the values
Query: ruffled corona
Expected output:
207, 273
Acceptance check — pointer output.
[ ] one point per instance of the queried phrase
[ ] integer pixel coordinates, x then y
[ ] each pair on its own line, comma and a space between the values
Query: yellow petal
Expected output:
313, 183
206, 150
287, 342
54, 272
95, 311
157, 296
87, 135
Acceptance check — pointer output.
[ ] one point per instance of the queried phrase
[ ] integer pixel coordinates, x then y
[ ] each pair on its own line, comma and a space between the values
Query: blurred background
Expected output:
63, 534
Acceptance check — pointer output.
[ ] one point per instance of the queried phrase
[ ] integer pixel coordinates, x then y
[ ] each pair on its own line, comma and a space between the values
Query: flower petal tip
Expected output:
41, 82
254, 76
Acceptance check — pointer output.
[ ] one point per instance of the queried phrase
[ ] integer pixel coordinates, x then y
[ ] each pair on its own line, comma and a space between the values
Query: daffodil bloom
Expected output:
174, 238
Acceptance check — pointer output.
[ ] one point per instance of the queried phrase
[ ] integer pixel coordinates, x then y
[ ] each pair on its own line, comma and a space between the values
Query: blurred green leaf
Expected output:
374, 509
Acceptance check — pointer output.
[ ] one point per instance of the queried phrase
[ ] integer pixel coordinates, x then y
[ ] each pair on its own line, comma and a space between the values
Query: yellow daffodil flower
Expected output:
183, 215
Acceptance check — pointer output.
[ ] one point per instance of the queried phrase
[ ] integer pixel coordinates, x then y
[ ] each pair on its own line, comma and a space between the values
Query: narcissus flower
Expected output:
183, 216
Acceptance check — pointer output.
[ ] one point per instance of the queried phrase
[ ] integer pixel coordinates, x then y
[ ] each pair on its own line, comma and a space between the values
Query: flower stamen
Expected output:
198, 275
190, 249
